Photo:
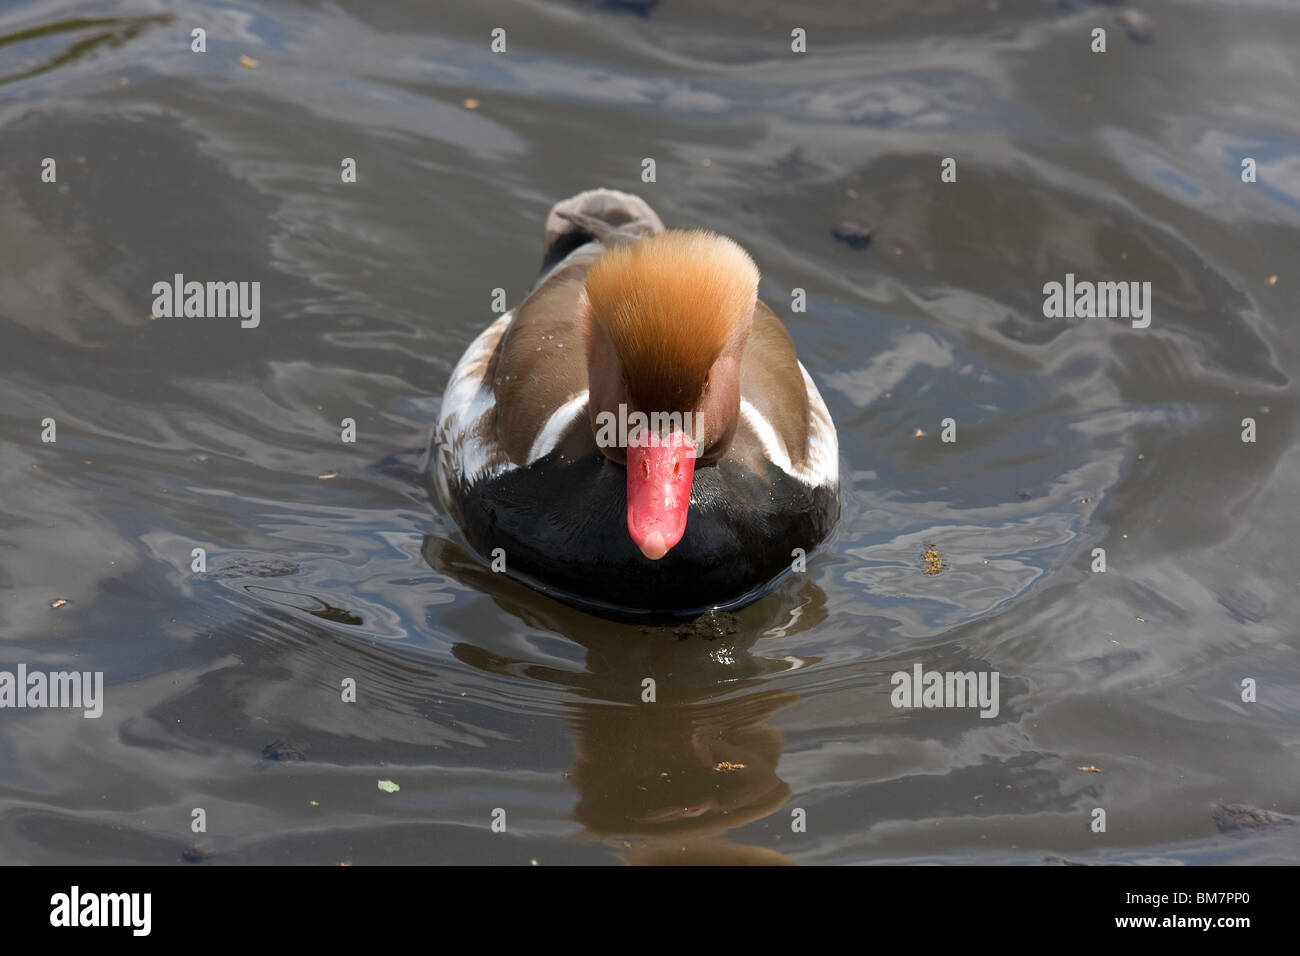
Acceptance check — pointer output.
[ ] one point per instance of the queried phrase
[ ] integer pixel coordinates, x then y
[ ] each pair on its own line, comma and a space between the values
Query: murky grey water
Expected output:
473, 693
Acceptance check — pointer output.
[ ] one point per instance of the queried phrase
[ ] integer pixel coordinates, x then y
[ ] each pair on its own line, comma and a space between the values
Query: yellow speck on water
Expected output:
60, 602
1139, 620
727, 765
247, 62
1272, 280
919, 433
1090, 769
934, 562
315, 804
328, 475
470, 103
532, 862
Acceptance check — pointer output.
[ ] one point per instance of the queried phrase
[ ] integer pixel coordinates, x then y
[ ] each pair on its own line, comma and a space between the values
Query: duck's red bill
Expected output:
659, 474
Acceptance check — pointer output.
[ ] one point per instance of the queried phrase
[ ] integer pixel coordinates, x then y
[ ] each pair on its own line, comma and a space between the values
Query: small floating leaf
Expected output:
388, 786
853, 234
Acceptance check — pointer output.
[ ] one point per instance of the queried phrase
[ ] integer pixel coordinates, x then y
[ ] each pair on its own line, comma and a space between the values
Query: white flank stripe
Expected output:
773, 447
461, 451
823, 464
556, 426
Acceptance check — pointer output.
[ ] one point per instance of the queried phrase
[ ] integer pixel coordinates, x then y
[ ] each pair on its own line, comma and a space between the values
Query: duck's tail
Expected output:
598, 215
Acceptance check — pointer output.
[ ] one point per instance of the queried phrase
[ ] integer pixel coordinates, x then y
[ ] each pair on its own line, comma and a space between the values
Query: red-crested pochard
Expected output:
638, 436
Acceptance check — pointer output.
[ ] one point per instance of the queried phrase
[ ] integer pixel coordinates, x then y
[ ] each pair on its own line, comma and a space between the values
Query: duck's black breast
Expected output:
562, 524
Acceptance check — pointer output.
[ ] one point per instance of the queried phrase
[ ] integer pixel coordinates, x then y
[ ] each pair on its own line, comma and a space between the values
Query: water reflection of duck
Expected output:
548, 444
668, 780
682, 773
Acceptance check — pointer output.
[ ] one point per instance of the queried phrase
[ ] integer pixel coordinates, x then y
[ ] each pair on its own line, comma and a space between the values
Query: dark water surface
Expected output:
474, 693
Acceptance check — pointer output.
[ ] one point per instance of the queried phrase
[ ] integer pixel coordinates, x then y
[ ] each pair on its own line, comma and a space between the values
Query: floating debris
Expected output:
470, 104
919, 433
61, 602
1062, 861
328, 475
283, 751
1140, 27
709, 626
1272, 280
1239, 816
1090, 769
247, 62
727, 766
196, 854
388, 786
855, 235
934, 562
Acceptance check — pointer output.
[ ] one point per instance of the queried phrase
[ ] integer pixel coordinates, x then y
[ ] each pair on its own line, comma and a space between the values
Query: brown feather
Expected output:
669, 303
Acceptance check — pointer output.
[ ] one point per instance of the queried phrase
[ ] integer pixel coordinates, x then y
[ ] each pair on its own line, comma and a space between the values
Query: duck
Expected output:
637, 437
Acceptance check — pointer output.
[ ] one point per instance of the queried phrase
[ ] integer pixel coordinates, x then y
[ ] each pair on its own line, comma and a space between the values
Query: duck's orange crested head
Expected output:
668, 317
669, 304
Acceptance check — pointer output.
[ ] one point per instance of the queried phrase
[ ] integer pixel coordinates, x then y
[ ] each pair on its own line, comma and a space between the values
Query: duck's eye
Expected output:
705, 386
